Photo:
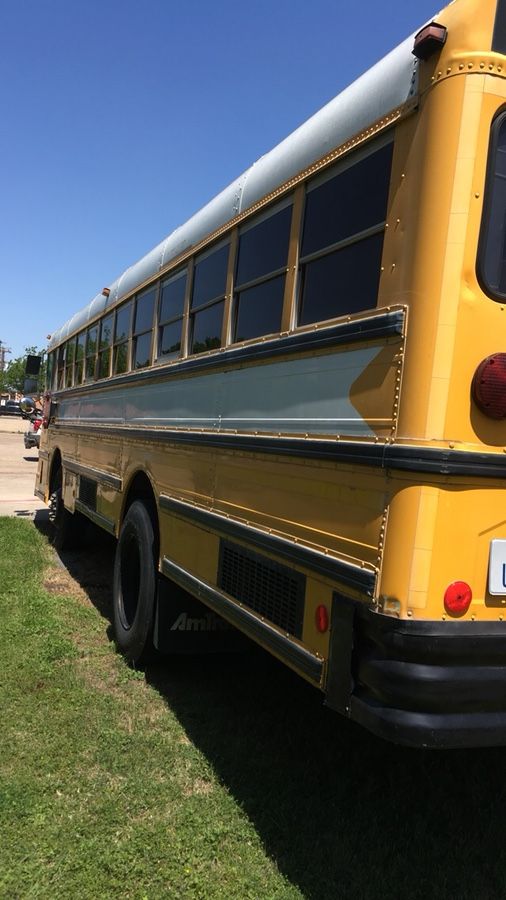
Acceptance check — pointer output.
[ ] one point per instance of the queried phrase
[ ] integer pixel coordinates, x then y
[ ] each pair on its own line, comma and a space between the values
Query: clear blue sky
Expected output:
121, 119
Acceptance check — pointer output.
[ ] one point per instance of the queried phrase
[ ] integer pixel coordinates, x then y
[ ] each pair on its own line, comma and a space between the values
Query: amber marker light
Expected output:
322, 618
428, 40
489, 386
458, 598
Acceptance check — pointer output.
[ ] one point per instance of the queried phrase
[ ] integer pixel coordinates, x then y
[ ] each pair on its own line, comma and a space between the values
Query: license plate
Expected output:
497, 567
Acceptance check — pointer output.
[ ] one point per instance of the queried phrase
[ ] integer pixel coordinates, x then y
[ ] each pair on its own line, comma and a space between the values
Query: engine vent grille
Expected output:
266, 587
88, 492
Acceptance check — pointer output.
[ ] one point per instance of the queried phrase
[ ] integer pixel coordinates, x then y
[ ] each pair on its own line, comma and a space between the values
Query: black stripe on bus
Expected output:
95, 474
373, 328
284, 647
97, 518
362, 580
499, 35
403, 457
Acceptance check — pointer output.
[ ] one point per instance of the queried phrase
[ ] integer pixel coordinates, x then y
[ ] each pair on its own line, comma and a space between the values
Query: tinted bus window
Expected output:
170, 318
209, 285
79, 370
260, 275
104, 349
120, 362
210, 277
143, 327
342, 239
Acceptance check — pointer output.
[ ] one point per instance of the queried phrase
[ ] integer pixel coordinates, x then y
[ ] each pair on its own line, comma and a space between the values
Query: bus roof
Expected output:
384, 88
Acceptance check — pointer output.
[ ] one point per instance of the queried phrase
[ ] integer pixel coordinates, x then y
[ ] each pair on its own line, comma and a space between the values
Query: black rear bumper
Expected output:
422, 684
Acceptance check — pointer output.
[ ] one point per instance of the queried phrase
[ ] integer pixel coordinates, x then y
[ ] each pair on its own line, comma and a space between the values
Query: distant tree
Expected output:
13, 377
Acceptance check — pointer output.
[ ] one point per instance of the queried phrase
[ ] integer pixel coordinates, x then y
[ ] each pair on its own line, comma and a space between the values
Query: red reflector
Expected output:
489, 386
322, 618
458, 597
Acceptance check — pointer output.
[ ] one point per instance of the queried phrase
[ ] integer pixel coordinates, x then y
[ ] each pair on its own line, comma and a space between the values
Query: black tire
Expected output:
68, 528
134, 587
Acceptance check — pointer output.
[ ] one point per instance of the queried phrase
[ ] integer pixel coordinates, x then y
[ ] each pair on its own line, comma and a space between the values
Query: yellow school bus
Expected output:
292, 412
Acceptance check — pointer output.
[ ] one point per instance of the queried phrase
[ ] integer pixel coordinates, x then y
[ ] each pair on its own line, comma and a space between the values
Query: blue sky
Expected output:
120, 119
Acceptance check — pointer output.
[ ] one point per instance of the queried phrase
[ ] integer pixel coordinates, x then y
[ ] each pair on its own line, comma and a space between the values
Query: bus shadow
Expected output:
341, 813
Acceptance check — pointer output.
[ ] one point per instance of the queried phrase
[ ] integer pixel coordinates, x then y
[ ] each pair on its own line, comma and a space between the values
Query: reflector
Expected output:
322, 618
458, 598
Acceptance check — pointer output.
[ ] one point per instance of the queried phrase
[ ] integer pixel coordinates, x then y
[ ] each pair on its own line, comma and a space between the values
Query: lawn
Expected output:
208, 778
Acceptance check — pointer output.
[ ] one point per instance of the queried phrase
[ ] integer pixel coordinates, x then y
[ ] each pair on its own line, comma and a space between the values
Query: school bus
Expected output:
292, 412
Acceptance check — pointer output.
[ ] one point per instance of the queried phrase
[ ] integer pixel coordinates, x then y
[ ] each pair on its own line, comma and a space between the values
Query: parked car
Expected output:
11, 408
32, 436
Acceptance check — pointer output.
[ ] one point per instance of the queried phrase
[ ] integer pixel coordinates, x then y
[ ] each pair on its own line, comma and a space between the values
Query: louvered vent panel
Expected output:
272, 590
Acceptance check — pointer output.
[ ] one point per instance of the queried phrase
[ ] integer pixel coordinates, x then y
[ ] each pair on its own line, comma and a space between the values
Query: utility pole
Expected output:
3, 351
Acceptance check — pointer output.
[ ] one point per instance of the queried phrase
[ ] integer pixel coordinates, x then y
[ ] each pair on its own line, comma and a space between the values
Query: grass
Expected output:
213, 778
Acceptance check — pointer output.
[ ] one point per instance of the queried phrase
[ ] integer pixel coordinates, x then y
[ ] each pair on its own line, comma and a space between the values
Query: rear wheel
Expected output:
134, 590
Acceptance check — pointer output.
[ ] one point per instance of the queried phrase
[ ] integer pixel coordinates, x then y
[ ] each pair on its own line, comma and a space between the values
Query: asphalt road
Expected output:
17, 470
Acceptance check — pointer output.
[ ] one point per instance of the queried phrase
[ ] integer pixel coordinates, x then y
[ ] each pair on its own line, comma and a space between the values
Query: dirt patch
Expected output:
59, 581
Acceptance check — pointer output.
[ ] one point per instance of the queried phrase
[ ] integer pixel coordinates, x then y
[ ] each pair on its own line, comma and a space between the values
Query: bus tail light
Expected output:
458, 598
322, 618
489, 386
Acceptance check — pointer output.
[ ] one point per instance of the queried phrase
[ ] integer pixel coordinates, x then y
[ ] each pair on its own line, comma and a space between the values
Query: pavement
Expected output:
18, 468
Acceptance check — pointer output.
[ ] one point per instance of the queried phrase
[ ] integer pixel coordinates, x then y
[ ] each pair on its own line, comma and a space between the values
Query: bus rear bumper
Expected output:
421, 684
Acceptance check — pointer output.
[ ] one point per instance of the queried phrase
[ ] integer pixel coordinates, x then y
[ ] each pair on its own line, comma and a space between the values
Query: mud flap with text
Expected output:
185, 625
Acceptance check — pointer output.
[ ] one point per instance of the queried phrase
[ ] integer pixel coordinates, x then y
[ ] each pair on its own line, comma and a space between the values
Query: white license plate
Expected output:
497, 567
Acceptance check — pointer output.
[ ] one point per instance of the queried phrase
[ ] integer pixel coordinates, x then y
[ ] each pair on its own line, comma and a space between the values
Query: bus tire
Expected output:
135, 586
67, 527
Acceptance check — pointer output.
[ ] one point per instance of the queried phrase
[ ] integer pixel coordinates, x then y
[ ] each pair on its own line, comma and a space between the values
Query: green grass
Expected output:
212, 778
102, 792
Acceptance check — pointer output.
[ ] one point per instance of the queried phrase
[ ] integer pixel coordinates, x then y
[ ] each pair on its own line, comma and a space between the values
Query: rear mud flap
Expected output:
185, 625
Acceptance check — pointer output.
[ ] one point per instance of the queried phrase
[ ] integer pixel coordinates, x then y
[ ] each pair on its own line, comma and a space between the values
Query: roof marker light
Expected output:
429, 39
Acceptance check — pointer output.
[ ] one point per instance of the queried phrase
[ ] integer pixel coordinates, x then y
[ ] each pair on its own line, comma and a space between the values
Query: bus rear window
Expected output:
492, 247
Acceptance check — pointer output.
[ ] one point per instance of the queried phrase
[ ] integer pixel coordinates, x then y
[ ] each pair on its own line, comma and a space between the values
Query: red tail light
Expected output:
489, 386
36, 424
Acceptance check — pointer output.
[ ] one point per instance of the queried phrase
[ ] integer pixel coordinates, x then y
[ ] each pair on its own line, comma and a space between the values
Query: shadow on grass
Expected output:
343, 814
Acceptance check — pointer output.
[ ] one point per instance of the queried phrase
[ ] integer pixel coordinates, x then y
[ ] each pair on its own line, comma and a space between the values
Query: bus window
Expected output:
60, 377
143, 328
69, 362
208, 295
50, 371
342, 239
104, 347
91, 352
121, 339
170, 318
492, 252
79, 366
260, 275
